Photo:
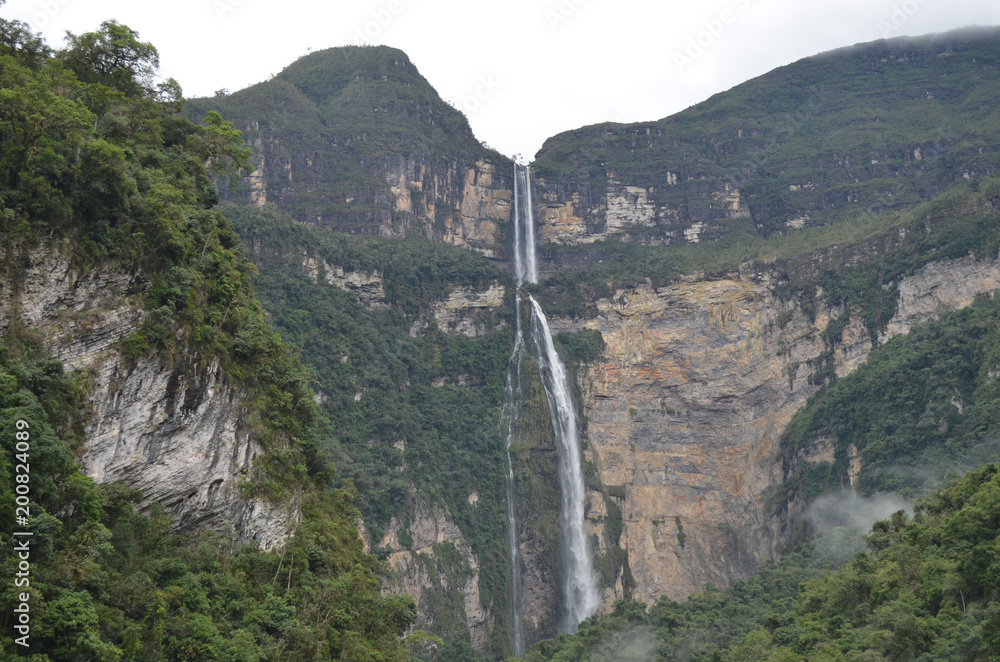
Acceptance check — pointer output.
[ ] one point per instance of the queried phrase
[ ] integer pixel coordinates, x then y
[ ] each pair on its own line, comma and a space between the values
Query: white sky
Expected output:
539, 67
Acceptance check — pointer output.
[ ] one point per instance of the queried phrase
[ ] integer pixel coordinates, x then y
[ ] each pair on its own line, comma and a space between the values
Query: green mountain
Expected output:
260, 342
924, 590
126, 295
338, 129
874, 128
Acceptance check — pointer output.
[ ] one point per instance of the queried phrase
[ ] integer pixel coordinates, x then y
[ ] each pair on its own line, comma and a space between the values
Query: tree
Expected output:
17, 39
221, 146
113, 56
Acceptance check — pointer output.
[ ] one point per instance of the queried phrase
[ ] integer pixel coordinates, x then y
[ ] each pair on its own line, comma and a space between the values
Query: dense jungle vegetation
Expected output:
925, 589
97, 162
413, 410
363, 402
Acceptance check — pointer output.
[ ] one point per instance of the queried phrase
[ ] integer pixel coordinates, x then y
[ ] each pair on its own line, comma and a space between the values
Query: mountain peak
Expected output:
325, 73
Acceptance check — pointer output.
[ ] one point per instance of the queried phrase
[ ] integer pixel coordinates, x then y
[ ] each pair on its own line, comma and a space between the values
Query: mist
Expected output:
637, 644
841, 520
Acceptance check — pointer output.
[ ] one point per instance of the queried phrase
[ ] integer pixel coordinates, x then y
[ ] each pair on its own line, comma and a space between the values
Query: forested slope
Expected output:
97, 164
925, 589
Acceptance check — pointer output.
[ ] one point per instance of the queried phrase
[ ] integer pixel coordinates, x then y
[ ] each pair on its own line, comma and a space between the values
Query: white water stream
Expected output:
580, 598
579, 584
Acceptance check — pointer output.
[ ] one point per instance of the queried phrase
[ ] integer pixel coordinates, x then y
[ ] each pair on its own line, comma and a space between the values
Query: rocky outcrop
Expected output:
459, 311
464, 205
175, 432
368, 287
434, 576
401, 163
463, 202
79, 314
656, 215
178, 435
940, 286
687, 403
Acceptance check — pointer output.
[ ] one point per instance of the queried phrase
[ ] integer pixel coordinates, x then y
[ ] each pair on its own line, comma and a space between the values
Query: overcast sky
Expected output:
521, 70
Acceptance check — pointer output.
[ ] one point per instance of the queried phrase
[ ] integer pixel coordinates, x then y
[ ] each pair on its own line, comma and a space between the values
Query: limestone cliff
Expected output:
666, 213
460, 311
355, 139
460, 205
368, 287
435, 565
687, 402
176, 432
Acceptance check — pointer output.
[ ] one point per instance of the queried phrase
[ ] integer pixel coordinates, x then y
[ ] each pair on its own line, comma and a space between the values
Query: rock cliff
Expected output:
435, 565
463, 205
698, 377
457, 313
689, 398
355, 139
781, 152
660, 213
176, 432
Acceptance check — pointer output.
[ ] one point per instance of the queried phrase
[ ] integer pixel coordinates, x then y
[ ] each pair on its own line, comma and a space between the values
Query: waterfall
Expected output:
512, 399
580, 598
579, 584
525, 264
524, 269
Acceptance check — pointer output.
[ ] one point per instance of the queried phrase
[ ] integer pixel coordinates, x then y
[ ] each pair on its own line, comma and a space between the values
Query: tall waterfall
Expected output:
525, 263
512, 399
579, 585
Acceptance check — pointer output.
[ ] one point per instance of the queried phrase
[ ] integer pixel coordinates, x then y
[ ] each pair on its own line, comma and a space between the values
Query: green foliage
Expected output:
106, 170
408, 413
17, 39
926, 590
113, 57
111, 583
584, 346
921, 406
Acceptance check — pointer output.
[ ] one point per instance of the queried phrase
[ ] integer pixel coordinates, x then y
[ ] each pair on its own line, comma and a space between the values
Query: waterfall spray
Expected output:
579, 585
512, 400
580, 598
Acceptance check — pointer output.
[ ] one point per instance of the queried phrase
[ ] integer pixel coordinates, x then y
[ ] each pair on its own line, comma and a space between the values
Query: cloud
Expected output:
842, 518
637, 644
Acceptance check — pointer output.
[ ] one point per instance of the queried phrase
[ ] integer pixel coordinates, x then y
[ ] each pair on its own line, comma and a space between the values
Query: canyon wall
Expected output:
689, 398
175, 431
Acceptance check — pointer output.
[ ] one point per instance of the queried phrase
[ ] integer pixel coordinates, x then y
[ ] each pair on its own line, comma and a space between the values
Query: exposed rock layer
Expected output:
175, 432
686, 405
432, 578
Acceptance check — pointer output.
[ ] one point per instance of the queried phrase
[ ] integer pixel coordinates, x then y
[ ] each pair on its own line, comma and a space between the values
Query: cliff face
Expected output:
438, 568
698, 378
812, 143
686, 405
418, 345
176, 432
355, 139
463, 204
655, 213
460, 202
